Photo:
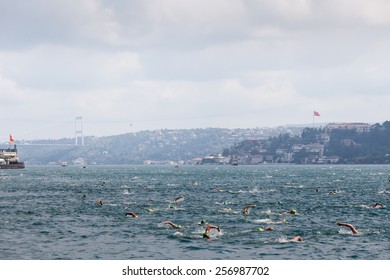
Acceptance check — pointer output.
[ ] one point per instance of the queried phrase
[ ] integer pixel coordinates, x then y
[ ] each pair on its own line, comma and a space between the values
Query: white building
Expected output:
359, 127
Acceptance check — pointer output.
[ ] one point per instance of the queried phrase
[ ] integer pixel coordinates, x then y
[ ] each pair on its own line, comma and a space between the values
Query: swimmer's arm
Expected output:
211, 227
351, 227
171, 224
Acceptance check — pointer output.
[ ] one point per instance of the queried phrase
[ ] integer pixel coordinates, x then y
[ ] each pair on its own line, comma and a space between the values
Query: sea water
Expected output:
50, 212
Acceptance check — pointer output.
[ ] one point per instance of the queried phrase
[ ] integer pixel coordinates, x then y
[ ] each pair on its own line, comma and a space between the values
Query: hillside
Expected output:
158, 146
329, 144
348, 143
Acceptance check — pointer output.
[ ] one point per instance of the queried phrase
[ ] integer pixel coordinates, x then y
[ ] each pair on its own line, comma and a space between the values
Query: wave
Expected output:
385, 191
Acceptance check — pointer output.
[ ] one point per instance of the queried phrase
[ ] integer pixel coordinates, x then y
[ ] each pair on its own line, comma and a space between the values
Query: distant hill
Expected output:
161, 146
246, 146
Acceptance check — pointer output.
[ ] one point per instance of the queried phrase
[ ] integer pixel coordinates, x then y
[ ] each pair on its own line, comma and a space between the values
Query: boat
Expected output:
9, 159
213, 159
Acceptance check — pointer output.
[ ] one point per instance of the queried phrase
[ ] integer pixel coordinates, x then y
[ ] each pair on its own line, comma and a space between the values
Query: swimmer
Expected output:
265, 229
226, 210
131, 214
377, 205
202, 222
351, 227
333, 191
292, 212
297, 238
178, 198
172, 224
103, 183
282, 221
245, 211
207, 231
99, 201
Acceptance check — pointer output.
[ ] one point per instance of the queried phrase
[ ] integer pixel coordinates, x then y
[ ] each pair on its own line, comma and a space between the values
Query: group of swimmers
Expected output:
245, 211
351, 227
207, 231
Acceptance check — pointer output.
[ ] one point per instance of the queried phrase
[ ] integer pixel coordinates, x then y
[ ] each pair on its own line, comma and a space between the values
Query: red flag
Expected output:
11, 140
316, 114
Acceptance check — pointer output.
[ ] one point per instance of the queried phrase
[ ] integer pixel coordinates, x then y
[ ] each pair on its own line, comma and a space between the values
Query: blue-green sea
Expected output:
50, 212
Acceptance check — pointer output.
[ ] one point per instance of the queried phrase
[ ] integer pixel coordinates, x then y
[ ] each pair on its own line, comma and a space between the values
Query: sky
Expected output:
127, 65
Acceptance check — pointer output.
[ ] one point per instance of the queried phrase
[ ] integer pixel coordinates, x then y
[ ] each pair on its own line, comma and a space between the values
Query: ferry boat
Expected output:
213, 159
9, 159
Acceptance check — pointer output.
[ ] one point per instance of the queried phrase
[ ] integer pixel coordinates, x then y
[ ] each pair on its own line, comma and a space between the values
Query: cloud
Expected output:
36, 22
62, 68
182, 64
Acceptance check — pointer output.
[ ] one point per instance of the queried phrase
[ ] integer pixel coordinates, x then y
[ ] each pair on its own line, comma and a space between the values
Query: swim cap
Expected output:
260, 229
205, 235
202, 221
293, 211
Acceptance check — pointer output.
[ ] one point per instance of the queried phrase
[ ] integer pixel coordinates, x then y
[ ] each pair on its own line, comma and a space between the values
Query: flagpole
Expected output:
315, 114
313, 120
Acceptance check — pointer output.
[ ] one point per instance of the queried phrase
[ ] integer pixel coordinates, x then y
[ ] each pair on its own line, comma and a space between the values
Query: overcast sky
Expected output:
133, 65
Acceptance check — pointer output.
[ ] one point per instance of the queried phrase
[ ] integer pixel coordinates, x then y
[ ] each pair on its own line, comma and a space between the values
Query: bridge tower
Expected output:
79, 138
